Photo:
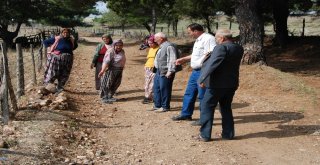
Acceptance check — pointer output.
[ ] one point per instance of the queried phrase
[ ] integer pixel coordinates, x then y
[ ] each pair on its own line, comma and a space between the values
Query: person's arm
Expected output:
75, 46
216, 58
48, 42
208, 46
172, 57
103, 69
183, 60
106, 62
96, 55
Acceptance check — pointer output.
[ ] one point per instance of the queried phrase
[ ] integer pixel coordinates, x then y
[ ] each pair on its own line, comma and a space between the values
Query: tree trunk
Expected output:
175, 27
168, 27
8, 80
251, 31
8, 36
280, 15
122, 27
154, 20
208, 24
146, 25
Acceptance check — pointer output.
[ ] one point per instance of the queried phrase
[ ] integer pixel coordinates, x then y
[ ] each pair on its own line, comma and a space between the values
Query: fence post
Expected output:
8, 80
4, 88
303, 26
34, 80
40, 57
20, 71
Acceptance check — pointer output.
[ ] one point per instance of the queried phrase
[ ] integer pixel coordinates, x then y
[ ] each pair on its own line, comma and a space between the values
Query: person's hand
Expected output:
169, 74
202, 85
179, 61
92, 65
100, 74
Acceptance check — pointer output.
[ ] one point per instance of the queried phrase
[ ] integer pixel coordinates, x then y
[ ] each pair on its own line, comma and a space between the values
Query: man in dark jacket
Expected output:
220, 75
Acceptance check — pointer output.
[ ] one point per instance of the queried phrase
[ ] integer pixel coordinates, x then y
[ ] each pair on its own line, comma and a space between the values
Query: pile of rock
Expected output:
47, 98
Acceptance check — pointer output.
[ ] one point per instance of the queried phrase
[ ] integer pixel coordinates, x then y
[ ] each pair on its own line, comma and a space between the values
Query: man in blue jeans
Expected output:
166, 69
220, 77
204, 44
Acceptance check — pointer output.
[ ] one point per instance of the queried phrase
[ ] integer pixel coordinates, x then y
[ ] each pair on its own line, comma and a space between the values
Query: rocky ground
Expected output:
276, 113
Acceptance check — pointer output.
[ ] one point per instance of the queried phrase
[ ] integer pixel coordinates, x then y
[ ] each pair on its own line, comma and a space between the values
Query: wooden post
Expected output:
34, 80
230, 25
8, 80
40, 57
4, 89
303, 26
20, 71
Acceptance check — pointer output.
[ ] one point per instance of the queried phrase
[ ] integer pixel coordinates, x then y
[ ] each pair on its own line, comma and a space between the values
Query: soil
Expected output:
276, 111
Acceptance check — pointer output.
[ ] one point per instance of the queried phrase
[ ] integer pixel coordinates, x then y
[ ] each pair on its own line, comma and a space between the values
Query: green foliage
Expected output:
13, 11
302, 5
111, 18
68, 13
53, 12
139, 12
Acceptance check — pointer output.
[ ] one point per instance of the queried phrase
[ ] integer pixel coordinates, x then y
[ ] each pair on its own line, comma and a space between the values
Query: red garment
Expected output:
102, 52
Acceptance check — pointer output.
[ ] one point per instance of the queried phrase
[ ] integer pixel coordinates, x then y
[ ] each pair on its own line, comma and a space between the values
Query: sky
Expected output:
101, 6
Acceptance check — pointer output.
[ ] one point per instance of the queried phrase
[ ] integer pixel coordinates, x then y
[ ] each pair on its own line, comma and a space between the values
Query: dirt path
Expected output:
270, 128
276, 121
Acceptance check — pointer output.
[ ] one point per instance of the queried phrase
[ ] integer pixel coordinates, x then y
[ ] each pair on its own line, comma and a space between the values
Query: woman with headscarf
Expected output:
60, 58
148, 67
112, 69
99, 55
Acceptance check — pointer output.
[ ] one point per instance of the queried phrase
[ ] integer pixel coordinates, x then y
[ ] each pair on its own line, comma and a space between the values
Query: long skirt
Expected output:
148, 83
97, 79
110, 83
58, 68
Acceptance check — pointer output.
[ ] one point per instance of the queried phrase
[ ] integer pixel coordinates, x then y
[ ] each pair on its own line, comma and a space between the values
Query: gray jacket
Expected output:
165, 58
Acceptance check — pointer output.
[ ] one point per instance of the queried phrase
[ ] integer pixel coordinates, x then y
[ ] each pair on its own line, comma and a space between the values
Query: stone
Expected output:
51, 88
8, 130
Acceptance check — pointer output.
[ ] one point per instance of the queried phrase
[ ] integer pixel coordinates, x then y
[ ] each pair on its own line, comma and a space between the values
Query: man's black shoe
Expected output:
229, 136
196, 123
176, 118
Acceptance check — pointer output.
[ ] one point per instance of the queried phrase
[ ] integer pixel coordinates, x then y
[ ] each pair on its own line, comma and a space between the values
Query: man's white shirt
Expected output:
203, 44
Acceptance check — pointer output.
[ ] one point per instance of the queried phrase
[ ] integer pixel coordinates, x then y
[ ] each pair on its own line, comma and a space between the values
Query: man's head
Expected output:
195, 30
223, 35
160, 38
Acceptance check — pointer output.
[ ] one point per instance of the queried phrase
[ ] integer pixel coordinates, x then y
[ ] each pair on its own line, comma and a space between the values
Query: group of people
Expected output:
109, 60
215, 62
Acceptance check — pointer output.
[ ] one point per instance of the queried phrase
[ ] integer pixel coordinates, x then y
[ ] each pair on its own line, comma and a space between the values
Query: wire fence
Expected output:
20, 67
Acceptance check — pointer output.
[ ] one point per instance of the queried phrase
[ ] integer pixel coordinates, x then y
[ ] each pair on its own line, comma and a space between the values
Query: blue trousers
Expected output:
212, 97
193, 90
162, 88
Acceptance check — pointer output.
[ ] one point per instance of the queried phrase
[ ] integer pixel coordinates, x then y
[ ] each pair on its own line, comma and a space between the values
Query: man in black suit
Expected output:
220, 75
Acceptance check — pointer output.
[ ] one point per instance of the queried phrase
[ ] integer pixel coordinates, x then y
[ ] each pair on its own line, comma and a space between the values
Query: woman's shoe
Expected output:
145, 101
